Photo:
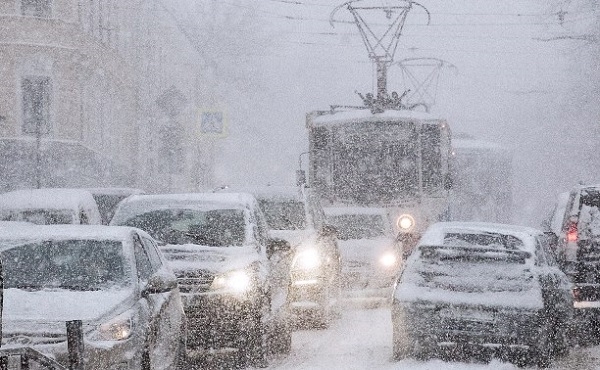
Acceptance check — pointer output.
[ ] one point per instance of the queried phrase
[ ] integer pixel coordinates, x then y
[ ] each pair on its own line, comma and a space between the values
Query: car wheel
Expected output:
182, 360
402, 346
252, 350
560, 341
541, 354
280, 341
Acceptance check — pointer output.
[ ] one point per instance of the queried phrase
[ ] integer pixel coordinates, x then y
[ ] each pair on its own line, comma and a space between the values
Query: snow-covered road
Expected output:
361, 339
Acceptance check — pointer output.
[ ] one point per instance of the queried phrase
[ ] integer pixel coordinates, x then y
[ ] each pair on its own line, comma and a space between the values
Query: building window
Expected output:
36, 8
37, 92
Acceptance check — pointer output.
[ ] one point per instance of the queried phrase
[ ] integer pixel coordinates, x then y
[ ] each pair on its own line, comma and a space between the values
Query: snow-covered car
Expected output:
50, 207
109, 198
371, 256
484, 289
113, 279
219, 247
293, 214
575, 230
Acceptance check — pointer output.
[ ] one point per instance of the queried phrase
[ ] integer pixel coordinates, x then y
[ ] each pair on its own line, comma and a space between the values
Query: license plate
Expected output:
467, 315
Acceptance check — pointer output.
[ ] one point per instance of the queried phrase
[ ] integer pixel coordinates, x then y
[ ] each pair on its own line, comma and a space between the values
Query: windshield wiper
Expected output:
79, 288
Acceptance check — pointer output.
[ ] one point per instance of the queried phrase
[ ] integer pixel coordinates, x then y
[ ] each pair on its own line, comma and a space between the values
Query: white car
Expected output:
371, 256
50, 207
485, 289
219, 248
113, 279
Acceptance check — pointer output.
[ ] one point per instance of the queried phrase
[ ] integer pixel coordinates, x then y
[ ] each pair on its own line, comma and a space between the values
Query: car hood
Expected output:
215, 259
54, 307
295, 237
365, 249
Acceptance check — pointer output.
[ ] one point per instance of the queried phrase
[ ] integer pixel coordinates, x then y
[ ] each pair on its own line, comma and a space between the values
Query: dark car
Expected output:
295, 215
574, 228
218, 246
481, 288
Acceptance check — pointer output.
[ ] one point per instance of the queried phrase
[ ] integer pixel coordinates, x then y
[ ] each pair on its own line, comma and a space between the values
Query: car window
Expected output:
83, 218
153, 253
142, 261
261, 229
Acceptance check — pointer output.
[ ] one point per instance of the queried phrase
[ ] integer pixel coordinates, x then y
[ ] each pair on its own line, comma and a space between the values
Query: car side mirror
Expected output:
159, 283
276, 245
329, 230
300, 178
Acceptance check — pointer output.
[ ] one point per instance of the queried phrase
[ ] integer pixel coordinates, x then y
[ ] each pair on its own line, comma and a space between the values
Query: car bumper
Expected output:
216, 321
308, 294
368, 283
451, 326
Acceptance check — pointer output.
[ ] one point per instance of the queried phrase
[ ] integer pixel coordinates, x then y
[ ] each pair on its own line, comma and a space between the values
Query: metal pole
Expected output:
75, 344
38, 155
381, 79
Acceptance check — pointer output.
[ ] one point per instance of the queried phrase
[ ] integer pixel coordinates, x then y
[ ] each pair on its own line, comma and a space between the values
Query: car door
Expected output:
556, 287
164, 308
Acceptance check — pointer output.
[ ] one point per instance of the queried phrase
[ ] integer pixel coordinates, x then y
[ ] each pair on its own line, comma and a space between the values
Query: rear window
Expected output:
488, 240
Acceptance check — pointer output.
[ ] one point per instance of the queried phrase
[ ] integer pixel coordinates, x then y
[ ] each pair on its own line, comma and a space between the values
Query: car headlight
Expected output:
116, 329
406, 222
389, 259
238, 281
307, 260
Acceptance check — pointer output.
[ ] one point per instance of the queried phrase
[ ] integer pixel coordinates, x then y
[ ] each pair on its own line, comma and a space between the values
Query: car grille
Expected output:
357, 265
194, 281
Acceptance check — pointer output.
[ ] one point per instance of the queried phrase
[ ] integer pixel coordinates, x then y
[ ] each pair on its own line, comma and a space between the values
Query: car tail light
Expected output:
576, 294
572, 234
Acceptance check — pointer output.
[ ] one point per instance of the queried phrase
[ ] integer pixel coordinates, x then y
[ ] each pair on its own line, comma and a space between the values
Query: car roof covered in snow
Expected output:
115, 191
434, 235
138, 204
48, 198
365, 115
93, 232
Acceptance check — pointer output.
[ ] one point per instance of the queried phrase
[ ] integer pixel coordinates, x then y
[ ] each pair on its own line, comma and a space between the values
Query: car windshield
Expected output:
215, 228
39, 216
358, 226
82, 265
284, 215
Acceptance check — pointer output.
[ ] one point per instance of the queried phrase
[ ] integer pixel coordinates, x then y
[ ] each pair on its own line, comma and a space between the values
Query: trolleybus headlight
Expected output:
406, 222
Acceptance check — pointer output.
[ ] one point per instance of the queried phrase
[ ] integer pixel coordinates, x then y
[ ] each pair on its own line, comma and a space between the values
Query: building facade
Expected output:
98, 93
